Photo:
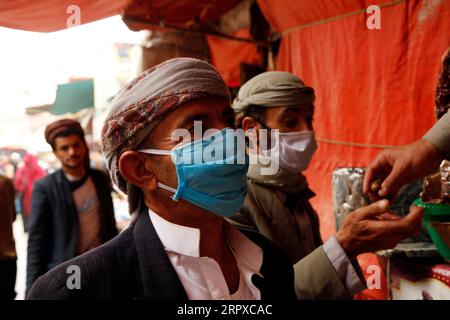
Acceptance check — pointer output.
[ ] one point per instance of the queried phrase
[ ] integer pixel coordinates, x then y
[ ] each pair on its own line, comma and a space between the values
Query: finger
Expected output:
372, 171
368, 176
378, 169
373, 210
389, 216
393, 181
405, 227
415, 215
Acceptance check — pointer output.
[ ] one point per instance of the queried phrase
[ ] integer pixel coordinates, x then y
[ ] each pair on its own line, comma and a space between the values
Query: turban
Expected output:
272, 89
140, 105
56, 128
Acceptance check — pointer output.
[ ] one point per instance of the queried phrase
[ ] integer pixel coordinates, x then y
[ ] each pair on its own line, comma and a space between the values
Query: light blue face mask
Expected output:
211, 171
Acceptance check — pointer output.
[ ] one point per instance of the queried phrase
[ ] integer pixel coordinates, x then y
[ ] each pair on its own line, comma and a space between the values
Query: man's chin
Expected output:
73, 165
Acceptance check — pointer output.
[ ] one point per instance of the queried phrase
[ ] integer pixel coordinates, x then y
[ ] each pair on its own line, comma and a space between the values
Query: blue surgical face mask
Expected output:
211, 171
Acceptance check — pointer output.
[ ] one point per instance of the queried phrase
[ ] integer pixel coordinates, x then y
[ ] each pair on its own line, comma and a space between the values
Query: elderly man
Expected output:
277, 204
71, 209
178, 245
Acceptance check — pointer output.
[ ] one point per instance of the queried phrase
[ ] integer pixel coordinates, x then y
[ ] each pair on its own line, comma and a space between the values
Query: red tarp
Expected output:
373, 86
51, 15
227, 56
180, 13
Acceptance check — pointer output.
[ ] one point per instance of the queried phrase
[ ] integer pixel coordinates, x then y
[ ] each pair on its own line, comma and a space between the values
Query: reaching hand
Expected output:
372, 228
397, 167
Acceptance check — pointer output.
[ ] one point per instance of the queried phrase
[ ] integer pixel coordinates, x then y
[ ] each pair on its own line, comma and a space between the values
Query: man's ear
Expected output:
250, 123
132, 166
251, 128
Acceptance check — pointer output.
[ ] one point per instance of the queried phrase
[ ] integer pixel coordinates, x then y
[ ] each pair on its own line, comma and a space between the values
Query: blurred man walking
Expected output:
71, 209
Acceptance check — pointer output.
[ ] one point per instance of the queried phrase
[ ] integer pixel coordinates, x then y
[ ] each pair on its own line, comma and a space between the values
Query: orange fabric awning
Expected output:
52, 15
227, 56
185, 14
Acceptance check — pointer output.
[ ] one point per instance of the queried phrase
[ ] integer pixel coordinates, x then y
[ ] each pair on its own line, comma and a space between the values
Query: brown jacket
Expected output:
273, 207
7, 217
295, 230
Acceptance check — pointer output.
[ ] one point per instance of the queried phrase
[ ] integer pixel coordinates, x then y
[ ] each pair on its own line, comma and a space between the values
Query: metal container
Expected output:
348, 195
348, 192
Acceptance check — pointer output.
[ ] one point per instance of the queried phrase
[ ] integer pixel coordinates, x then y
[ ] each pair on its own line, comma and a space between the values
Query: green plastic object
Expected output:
439, 213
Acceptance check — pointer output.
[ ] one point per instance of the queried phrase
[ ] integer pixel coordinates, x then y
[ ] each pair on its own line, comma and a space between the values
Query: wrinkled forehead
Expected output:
208, 112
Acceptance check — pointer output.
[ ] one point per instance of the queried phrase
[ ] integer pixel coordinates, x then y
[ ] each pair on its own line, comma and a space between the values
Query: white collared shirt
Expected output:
202, 277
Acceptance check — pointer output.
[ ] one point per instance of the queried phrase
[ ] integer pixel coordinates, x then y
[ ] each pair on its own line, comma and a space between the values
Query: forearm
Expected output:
439, 135
316, 278
348, 269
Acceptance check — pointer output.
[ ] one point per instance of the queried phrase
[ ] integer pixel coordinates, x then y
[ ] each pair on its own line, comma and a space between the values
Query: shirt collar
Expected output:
186, 241
175, 237
245, 251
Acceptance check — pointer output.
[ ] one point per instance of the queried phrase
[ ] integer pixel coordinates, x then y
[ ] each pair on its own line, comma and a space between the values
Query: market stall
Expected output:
375, 87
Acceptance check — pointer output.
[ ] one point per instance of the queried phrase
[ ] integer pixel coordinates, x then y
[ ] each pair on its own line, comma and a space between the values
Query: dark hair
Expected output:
135, 198
66, 133
69, 132
256, 112
135, 195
